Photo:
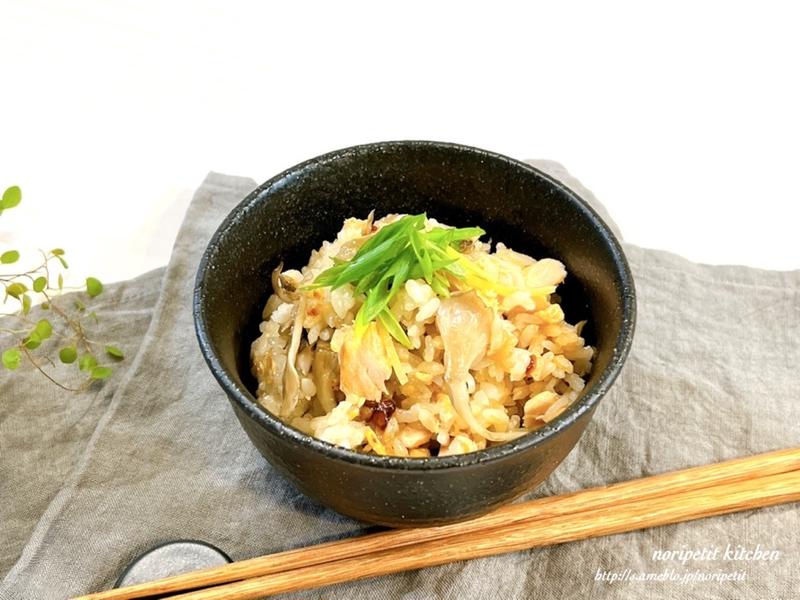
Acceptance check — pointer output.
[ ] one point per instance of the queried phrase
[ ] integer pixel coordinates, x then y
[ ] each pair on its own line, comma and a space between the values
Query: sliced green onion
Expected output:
392, 325
397, 252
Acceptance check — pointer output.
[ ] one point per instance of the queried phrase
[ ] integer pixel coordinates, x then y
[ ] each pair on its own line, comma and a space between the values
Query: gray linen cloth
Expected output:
162, 457
44, 430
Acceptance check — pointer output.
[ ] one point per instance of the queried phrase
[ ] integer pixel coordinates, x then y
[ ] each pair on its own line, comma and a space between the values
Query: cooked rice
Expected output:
532, 370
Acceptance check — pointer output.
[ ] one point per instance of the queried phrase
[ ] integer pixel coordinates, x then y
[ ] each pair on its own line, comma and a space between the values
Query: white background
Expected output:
683, 119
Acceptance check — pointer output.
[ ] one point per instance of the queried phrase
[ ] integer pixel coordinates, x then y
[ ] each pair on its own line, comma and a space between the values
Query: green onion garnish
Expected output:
398, 252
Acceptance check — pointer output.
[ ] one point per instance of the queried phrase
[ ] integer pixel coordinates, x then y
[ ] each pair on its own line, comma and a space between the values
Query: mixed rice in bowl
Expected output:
406, 337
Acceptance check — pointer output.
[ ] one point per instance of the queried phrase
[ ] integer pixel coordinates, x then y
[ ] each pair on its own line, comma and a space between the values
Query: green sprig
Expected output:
65, 328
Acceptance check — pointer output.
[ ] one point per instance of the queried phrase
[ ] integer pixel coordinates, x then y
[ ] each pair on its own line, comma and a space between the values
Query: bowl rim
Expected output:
247, 402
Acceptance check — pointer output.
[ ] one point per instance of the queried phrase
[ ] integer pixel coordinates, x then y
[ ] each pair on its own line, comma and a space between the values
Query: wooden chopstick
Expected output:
717, 500
686, 480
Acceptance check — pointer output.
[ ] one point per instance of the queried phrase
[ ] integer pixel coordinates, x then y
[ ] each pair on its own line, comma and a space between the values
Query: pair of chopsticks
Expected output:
731, 486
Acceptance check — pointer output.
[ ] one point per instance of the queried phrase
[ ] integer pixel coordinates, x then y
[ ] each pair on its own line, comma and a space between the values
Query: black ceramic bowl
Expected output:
292, 213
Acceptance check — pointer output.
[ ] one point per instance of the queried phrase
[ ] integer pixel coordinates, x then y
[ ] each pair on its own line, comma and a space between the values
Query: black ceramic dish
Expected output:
292, 213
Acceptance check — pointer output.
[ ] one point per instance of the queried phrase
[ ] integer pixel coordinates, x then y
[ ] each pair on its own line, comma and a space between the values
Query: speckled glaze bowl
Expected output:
292, 213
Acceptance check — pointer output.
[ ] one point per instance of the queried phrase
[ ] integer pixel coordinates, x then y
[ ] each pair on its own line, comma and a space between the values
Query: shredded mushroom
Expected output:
325, 370
465, 324
291, 380
283, 287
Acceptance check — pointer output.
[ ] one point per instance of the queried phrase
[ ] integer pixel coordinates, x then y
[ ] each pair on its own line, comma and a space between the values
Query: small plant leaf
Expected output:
26, 304
16, 289
11, 197
68, 355
57, 252
39, 284
63, 262
100, 373
41, 331
33, 341
114, 352
44, 329
9, 256
11, 358
93, 287
87, 362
